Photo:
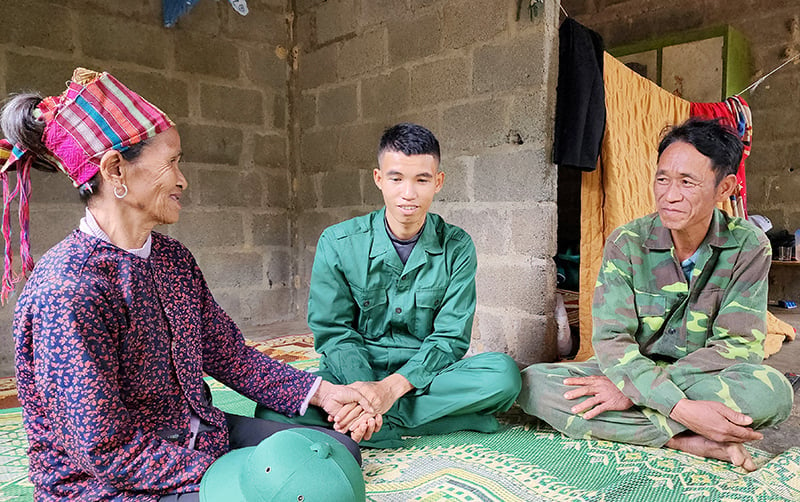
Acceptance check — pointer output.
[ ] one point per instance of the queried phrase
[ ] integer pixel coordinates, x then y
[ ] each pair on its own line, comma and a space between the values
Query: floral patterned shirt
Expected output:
110, 354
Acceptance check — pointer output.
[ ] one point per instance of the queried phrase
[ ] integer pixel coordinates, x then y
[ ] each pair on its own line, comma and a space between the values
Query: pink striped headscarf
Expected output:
96, 113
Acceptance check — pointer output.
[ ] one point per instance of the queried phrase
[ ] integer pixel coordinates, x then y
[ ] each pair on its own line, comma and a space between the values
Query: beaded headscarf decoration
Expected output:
95, 114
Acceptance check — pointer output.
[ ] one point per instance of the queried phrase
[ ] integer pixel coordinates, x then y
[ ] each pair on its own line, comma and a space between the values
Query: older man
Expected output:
678, 320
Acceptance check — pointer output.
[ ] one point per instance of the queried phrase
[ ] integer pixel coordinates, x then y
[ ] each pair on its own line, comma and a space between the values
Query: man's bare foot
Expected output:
695, 444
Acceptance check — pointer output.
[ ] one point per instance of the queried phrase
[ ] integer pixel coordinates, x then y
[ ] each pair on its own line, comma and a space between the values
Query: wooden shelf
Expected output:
779, 262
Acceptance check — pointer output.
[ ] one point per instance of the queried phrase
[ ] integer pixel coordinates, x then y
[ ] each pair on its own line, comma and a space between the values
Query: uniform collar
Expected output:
719, 234
428, 243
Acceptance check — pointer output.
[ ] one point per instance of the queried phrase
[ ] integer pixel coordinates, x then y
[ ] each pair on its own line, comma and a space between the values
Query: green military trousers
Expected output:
759, 391
463, 396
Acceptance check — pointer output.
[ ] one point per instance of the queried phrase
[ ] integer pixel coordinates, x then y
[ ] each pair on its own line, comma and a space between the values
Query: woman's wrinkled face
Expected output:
155, 181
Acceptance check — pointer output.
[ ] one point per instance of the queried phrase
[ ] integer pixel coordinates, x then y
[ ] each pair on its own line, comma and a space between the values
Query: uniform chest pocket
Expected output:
372, 312
651, 309
427, 303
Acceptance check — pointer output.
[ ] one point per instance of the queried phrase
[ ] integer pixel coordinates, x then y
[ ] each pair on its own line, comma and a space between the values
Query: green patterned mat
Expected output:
526, 461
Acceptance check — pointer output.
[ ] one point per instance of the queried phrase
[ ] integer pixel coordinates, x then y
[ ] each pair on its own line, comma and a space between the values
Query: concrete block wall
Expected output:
772, 30
484, 83
220, 77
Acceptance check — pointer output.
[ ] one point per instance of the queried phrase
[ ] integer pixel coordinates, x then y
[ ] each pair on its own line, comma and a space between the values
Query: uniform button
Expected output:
398, 310
403, 277
436, 303
672, 331
366, 303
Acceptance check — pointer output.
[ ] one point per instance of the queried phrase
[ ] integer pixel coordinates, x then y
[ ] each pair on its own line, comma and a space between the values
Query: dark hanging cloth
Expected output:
581, 97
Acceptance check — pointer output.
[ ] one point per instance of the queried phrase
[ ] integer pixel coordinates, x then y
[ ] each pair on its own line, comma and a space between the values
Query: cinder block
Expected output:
23, 25
54, 188
279, 111
206, 55
199, 229
317, 67
305, 196
359, 145
310, 225
520, 62
782, 122
277, 191
270, 229
372, 197
230, 104
524, 285
229, 189
335, 18
230, 302
455, 187
150, 11
440, 81
489, 228
49, 225
116, 38
533, 230
468, 21
270, 151
33, 73
337, 106
259, 25
211, 144
380, 11
362, 54
306, 108
515, 176
473, 126
267, 306
169, 94
414, 38
232, 269
531, 116
428, 118
279, 269
306, 5
385, 96
318, 150
205, 17
265, 68
489, 332
532, 339
305, 262
341, 188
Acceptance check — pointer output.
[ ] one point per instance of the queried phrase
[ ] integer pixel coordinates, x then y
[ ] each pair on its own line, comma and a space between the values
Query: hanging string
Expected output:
755, 84
563, 9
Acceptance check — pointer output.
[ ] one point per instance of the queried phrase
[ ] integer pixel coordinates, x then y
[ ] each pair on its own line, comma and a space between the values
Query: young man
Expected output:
391, 305
678, 320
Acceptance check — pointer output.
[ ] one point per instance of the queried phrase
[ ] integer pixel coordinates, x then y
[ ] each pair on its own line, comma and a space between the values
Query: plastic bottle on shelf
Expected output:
796, 245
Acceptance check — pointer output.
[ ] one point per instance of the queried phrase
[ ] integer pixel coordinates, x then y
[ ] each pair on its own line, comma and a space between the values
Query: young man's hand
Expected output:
384, 393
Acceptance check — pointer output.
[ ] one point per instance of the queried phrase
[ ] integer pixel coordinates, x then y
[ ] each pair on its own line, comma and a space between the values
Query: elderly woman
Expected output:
116, 325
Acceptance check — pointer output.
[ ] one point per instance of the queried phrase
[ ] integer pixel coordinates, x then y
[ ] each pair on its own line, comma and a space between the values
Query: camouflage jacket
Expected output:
653, 332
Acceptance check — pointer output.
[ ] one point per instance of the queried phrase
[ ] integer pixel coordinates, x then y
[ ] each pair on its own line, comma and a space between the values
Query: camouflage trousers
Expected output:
759, 391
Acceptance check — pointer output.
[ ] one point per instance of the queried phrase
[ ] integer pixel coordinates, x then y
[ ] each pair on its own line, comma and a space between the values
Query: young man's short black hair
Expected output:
716, 141
409, 139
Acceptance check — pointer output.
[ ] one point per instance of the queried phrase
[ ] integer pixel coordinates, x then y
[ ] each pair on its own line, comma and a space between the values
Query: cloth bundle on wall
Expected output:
580, 99
735, 113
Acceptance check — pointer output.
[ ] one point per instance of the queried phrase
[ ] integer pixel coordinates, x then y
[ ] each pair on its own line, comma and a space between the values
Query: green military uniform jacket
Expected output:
372, 316
653, 332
